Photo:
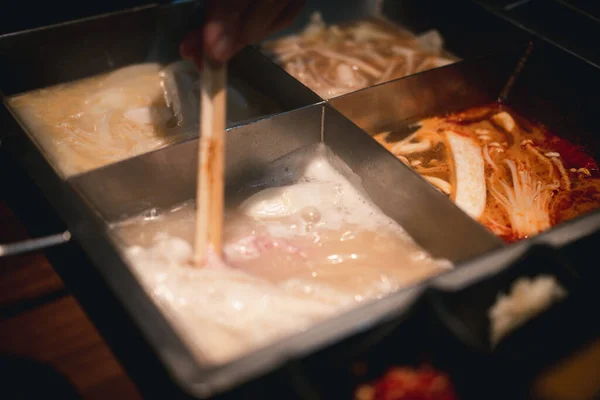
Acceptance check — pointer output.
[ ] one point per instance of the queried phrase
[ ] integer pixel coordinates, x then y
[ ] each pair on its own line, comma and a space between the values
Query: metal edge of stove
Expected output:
245, 159
562, 102
558, 89
471, 32
504, 14
467, 29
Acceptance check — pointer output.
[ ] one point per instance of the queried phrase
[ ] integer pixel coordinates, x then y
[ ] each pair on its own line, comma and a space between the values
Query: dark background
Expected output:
17, 15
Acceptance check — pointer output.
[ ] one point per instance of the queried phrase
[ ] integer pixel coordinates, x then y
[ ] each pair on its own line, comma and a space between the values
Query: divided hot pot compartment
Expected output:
48, 56
539, 82
440, 320
466, 28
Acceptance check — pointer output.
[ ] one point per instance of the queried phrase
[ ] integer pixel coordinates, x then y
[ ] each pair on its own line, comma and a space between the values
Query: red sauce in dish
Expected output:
401, 383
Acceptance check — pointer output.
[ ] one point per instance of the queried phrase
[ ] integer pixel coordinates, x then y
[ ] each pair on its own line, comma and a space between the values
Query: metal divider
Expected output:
167, 177
395, 105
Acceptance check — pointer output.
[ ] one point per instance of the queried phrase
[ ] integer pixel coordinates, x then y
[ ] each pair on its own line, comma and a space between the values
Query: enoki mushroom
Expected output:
526, 201
355, 56
526, 197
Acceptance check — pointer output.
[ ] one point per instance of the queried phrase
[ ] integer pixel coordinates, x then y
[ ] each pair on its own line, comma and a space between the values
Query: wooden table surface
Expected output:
42, 322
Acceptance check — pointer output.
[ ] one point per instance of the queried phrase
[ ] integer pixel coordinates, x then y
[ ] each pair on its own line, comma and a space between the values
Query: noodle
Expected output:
356, 55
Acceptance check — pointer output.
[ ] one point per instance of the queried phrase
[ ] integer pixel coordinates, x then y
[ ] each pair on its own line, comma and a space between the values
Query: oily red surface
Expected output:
573, 156
585, 193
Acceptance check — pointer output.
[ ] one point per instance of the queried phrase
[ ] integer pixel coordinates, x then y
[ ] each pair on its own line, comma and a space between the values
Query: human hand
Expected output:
232, 24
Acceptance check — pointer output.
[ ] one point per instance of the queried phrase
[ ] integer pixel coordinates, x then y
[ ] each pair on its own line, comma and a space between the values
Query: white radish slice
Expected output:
469, 172
441, 184
505, 120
